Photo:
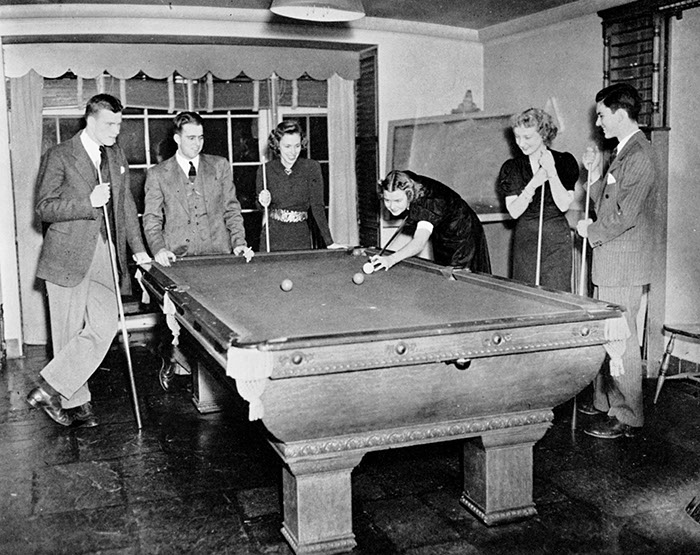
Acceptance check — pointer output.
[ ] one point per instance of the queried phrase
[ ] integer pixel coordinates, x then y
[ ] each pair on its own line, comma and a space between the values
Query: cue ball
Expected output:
358, 278
368, 268
286, 285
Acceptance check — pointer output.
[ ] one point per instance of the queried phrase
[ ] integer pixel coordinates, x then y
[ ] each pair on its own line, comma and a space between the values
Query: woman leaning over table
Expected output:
294, 192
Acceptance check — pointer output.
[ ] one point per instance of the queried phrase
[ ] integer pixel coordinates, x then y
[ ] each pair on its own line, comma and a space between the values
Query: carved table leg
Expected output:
317, 500
498, 474
208, 394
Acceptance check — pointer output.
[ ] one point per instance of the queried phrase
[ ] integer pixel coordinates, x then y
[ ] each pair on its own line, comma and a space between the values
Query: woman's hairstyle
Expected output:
287, 127
401, 180
534, 117
621, 95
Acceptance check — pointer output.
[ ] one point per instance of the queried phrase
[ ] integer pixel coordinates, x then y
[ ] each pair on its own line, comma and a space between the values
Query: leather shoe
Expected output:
588, 408
166, 374
611, 428
50, 404
84, 415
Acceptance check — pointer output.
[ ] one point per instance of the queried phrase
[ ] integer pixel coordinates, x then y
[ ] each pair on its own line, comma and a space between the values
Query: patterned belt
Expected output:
288, 216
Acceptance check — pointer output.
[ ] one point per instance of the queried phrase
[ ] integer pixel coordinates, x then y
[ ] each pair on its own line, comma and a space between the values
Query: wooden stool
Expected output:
685, 330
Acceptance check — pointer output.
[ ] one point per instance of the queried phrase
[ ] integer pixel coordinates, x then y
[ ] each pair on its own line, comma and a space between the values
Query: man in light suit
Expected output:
191, 209
76, 179
623, 243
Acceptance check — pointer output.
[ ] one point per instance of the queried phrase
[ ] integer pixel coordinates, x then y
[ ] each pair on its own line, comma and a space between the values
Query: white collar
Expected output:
184, 163
91, 147
623, 142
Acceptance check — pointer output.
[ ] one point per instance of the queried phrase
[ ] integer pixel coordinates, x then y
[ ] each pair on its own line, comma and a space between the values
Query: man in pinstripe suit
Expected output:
622, 241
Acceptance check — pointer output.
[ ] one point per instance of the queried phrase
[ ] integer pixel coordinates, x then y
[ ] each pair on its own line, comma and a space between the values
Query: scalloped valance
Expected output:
125, 60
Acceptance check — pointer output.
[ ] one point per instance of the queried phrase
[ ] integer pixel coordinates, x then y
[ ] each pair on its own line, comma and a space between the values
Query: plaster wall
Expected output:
683, 265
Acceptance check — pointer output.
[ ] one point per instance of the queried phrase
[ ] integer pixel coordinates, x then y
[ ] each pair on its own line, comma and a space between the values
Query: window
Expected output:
146, 133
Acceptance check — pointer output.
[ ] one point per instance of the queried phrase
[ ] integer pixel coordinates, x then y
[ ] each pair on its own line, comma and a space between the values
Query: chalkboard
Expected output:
465, 152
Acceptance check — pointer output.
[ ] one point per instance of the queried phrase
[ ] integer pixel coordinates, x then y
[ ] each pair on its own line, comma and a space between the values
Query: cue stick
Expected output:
267, 212
539, 237
582, 277
582, 289
120, 306
394, 236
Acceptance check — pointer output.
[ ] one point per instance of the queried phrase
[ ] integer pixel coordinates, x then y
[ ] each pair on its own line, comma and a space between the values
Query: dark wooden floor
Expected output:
190, 483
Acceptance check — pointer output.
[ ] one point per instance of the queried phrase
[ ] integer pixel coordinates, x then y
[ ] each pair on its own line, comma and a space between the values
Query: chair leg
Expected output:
664, 367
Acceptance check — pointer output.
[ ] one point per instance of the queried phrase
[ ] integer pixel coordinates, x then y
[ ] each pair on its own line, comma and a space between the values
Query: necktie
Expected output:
106, 178
192, 173
104, 165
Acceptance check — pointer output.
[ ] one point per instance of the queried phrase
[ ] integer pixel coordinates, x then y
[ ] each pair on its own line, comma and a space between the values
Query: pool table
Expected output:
414, 355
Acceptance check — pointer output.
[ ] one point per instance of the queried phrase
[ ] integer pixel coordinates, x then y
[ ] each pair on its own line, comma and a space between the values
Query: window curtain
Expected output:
342, 210
26, 101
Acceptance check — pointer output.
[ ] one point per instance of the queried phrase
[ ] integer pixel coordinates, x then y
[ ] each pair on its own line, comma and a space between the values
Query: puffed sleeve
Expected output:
510, 180
567, 169
432, 211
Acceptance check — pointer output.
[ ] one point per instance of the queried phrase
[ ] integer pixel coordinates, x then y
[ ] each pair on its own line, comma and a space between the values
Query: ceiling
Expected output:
469, 14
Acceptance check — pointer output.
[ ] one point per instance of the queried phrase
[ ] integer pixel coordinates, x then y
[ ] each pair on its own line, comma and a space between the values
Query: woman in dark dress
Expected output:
439, 214
294, 192
522, 181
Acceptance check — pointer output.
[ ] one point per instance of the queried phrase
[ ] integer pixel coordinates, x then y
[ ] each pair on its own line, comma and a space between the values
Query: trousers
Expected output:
84, 321
621, 396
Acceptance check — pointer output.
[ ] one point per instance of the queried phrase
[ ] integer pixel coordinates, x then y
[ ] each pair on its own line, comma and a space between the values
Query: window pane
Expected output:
215, 137
319, 138
244, 178
131, 139
324, 171
137, 180
252, 221
48, 135
69, 127
160, 135
245, 143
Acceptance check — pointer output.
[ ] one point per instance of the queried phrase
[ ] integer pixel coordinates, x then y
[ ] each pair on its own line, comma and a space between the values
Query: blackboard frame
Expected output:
434, 146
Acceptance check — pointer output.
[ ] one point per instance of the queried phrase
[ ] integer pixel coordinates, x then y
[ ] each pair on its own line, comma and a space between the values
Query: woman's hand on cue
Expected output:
382, 262
264, 198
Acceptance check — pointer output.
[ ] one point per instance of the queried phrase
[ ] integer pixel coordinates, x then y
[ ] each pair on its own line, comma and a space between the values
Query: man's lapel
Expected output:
83, 164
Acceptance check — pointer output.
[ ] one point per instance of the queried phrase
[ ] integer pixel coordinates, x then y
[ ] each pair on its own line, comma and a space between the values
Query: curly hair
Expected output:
535, 117
287, 127
401, 180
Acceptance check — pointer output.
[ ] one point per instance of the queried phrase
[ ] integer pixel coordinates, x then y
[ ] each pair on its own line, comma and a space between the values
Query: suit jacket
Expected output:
622, 235
66, 178
166, 218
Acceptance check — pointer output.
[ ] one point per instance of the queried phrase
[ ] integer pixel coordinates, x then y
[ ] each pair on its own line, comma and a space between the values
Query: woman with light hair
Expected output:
538, 187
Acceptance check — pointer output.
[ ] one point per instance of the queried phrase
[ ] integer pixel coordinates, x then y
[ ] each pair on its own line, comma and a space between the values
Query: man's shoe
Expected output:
50, 404
588, 408
611, 428
166, 374
84, 415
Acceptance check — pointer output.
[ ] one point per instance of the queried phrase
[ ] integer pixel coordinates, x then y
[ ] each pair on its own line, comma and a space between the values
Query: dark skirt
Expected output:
286, 236
555, 265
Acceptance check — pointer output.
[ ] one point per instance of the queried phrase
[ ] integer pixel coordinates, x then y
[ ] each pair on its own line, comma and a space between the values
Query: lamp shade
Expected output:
319, 10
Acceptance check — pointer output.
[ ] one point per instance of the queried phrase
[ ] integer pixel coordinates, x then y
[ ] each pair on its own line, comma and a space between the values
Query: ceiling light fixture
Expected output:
319, 10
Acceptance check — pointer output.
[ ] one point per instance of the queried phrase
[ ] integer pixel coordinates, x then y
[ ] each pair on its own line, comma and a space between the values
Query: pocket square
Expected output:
122, 169
611, 178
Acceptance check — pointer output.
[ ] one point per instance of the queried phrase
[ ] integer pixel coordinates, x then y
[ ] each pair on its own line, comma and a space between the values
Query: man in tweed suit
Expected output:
76, 179
623, 246
191, 209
